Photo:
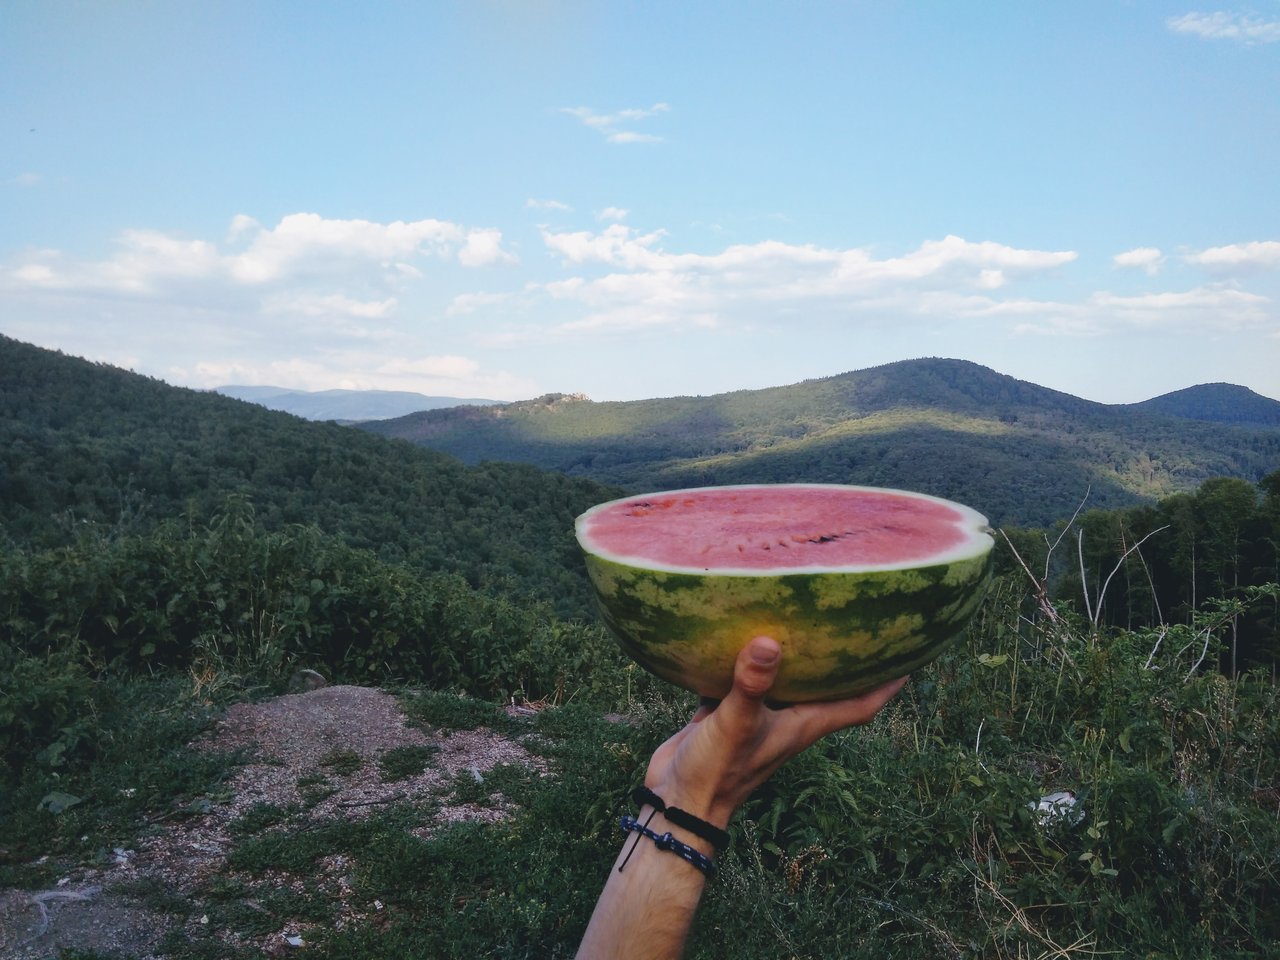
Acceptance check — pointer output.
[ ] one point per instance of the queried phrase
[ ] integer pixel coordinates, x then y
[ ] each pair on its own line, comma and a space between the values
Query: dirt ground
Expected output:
288, 736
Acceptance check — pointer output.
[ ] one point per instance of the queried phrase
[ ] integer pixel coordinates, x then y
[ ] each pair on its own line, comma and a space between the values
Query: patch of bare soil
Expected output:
295, 741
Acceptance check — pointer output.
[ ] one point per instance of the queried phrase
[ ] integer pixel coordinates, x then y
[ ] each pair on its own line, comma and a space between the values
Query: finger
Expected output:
756, 668
823, 718
753, 674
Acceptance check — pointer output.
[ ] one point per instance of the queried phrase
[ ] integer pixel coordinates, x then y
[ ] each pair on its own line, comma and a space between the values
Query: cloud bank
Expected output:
315, 302
1223, 25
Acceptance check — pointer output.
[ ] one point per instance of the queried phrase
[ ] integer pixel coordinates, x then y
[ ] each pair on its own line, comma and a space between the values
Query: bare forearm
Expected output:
646, 909
706, 770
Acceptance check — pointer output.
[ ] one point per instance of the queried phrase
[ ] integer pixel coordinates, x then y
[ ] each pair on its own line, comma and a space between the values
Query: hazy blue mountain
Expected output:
1216, 403
348, 406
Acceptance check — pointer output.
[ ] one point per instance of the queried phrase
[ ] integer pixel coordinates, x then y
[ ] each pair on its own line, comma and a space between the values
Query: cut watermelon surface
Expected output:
858, 584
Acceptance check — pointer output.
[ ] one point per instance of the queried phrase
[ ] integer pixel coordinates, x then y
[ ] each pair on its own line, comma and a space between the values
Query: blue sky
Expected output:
502, 199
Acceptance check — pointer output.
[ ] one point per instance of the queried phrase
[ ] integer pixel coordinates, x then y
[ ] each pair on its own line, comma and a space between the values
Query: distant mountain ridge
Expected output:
1020, 452
1216, 403
345, 406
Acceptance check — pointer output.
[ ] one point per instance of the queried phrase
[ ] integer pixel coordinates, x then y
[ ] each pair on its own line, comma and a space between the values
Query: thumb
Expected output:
756, 668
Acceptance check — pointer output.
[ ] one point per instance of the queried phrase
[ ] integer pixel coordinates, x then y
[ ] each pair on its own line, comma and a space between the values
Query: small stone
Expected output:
304, 681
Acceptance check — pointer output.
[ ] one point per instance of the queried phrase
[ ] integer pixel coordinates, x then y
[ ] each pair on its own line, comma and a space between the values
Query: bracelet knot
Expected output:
667, 842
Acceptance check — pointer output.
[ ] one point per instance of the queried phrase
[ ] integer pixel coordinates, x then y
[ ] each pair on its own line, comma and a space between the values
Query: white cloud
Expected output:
646, 286
1149, 259
1257, 254
609, 124
36, 274
533, 204
329, 305
1223, 25
625, 280
1222, 306
302, 249
470, 302
782, 266
304, 242
1059, 324
294, 374
615, 245
451, 367
631, 136
613, 213
23, 180
448, 375
483, 248
1202, 310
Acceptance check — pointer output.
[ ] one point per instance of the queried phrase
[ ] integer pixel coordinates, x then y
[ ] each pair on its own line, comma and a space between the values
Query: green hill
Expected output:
1216, 403
1022, 453
84, 443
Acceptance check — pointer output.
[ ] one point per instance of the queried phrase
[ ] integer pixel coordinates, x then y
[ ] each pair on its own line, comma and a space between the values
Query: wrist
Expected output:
682, 820
703, 805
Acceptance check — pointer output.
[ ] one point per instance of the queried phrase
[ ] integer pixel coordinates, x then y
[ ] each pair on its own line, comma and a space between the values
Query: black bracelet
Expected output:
665, 841
681, 818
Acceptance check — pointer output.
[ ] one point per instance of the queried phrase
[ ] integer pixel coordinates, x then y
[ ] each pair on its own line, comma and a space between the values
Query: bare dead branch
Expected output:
1120, 563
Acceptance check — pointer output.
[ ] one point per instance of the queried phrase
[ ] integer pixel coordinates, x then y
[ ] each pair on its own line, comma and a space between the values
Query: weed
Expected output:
342, 762
400, 763
505, 781
446, 711
135, 763
261, 816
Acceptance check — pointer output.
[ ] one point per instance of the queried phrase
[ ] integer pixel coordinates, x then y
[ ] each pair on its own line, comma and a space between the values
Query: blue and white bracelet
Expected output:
665, 841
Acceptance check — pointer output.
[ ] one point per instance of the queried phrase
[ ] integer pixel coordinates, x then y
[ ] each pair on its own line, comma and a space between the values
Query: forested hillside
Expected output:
83, 443
1216, 403
1022, 454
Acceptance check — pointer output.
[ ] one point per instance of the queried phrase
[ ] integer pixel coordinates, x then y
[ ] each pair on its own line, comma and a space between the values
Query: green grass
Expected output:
132, 765
341, 762
400, 763
911, 837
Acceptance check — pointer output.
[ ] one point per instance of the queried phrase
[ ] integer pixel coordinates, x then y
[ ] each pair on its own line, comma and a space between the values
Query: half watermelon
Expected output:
859, 585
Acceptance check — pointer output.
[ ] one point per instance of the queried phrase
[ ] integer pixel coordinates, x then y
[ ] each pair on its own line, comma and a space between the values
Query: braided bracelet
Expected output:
665, 841
695, 825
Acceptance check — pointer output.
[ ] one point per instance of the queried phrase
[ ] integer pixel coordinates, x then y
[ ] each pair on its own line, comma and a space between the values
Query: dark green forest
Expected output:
165, 553
88, 445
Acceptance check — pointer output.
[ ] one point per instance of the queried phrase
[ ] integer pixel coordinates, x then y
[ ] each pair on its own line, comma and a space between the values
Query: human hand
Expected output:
728, 749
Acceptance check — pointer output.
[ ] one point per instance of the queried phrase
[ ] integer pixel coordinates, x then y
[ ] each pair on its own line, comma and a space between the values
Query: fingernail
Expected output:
764, 653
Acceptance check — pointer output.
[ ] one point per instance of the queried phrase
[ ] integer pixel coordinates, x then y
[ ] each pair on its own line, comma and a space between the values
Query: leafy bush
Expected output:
232, 596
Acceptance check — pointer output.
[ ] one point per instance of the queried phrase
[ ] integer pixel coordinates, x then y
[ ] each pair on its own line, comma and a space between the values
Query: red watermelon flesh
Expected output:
756, 528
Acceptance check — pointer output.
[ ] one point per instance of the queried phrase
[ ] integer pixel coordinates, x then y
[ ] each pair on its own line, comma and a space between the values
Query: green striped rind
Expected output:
841, 633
